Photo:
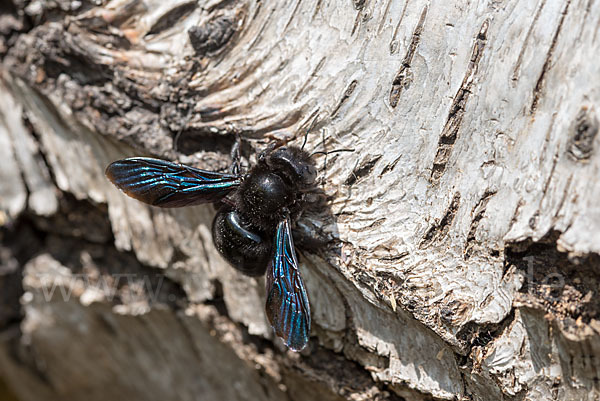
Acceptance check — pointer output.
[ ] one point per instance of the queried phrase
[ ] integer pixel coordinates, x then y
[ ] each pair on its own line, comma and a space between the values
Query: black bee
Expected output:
252, 229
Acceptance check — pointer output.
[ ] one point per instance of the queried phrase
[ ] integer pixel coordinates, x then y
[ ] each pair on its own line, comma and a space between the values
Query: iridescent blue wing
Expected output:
287, 303
166, 184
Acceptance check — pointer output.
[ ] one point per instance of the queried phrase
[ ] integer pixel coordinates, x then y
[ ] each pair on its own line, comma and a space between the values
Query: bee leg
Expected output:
236, 167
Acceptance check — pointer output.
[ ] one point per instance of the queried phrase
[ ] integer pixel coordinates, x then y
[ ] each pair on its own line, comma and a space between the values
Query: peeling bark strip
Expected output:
404, 77
437, 231
548, 63
457, 110
582, 135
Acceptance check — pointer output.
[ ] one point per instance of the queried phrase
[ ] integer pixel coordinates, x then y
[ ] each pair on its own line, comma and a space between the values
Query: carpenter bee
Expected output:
252, 228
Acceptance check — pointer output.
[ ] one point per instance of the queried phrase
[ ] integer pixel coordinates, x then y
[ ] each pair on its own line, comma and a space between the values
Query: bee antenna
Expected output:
321, 152
310, 127
305, 139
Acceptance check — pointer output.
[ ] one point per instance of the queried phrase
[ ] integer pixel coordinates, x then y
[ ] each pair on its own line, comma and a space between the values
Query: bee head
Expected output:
293, 164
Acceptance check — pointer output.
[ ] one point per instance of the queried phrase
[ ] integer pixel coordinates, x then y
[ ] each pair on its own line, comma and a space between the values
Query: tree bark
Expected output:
462, 233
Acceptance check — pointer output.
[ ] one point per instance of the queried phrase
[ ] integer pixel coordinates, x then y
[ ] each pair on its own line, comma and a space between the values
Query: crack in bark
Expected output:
534, 219
565, 287
403, 77
480, 335
317, 8
345, 96
289, 21
457, 110
266, 22
517, 68
539, 86
478, 212
437, 231
384, 16
356, 21
362, 170
563, 199
390, 166
312, 75
394, 42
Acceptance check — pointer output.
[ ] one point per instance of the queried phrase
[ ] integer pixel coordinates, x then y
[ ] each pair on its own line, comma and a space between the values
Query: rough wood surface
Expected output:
462, 233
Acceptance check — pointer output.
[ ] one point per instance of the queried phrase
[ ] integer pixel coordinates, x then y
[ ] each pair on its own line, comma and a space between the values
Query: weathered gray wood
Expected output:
464, 228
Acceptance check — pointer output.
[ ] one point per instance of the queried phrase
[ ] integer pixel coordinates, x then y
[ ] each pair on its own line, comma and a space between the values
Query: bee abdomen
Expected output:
242, 245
